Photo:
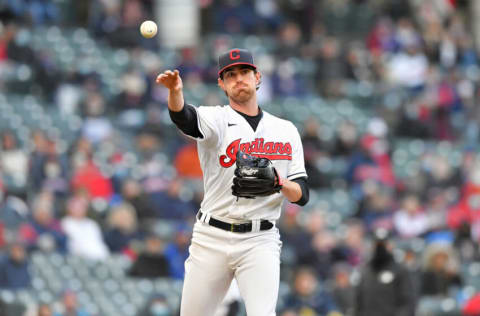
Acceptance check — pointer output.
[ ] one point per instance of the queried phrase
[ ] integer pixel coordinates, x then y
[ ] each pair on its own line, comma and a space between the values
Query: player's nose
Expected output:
239, 80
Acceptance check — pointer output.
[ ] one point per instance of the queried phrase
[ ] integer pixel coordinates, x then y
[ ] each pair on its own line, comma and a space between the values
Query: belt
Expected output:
236, 228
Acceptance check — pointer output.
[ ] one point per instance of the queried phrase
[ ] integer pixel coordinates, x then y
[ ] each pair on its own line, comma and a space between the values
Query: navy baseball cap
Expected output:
233, 57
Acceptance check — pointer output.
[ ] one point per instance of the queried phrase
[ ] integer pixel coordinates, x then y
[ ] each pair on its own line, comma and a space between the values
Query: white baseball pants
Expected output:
218, 256
233, 294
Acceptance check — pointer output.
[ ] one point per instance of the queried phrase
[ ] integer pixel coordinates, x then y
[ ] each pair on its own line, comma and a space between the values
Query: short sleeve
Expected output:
209, 123
296, 168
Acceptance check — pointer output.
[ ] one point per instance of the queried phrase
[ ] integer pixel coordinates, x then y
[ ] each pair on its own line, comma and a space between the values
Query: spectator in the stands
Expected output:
96, 127
323, 254
315, 150
133, 193
309, 297
440, 270
14, 268
84, 234
343, 291
169, 205
55, 171
186, 161
410, 220
80, 150
382, 37
376, 207
385, 286
14, 211
151, 262
353, 242
122, 228
408, 68
289, 38
332, 67
439, 172
86, 174
39, 12
357, 62
131, 99
43, 231
37, 158
346, 140
156, 305
287, 81
447, 102
294, 236
371, 163
176, 251
13, 162
466, 210
48, 169
316, 220
155, 180
105, 19
190, 67
70, 306
437, 210
44, 310
413, 120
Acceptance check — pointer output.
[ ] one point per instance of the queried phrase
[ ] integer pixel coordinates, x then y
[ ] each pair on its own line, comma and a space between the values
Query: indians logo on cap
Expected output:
235, 54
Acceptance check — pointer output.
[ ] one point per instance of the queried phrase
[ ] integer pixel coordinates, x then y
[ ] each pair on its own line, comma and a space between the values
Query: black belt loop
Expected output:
236, 228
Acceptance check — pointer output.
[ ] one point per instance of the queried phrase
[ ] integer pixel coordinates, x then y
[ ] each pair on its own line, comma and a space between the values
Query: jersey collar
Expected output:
253, 121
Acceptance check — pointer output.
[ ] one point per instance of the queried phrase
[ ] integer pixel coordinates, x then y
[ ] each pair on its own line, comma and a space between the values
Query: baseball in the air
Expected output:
148, 29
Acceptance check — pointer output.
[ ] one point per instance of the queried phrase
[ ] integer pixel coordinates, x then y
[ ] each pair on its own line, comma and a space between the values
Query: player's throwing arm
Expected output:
173, 82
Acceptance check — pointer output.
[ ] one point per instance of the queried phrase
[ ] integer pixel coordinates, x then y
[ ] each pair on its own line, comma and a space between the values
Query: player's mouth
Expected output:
241, 88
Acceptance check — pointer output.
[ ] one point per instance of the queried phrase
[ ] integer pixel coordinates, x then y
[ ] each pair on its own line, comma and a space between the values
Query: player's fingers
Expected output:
176, 73
161, 78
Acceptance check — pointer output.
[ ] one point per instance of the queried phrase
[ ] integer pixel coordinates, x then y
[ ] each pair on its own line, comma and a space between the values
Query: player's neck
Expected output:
249, 108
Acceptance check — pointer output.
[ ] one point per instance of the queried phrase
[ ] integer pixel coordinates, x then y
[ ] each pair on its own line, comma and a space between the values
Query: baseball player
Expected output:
235, 234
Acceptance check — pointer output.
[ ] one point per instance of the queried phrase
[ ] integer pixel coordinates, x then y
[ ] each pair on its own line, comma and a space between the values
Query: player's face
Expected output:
240, 83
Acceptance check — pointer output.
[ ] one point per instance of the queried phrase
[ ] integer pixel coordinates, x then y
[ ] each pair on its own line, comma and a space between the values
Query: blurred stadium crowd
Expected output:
98, 190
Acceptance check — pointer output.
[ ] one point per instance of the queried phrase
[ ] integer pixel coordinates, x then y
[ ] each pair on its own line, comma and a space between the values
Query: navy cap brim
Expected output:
236, 64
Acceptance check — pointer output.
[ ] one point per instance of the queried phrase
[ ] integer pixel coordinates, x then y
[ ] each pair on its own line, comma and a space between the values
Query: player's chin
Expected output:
241, 99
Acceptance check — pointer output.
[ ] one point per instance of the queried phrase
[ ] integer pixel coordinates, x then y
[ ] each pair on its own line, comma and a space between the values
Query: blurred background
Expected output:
98, 189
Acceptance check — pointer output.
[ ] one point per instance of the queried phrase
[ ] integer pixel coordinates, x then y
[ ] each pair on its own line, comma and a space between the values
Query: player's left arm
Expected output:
294, 186
296, 191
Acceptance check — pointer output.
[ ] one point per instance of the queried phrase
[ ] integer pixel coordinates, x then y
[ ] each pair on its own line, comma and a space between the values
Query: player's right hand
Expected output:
171, 80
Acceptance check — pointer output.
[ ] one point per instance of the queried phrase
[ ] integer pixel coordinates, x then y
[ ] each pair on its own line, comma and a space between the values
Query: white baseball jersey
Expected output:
225, 132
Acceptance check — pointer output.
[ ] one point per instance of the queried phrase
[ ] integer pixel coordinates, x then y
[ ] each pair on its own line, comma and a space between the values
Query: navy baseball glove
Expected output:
255, 177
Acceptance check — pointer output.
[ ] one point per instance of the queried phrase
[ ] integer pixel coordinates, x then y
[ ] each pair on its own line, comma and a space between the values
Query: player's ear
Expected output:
258, 77
220, 84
